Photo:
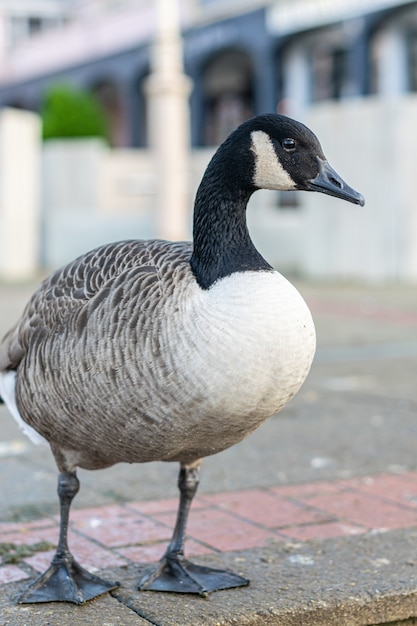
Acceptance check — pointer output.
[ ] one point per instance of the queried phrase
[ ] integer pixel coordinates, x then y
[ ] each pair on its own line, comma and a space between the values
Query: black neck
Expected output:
222, 244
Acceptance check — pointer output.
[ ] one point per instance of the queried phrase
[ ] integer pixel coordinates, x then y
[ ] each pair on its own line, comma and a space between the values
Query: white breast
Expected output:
249, 347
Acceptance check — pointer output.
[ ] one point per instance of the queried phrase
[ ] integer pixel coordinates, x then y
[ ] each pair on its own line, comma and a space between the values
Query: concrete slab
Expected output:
104, 611
349, 582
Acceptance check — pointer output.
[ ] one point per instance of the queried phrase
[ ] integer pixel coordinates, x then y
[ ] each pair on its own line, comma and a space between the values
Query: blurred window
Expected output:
375, 54
21, 28
228, 95
288, 200
412, 60
34, 25
329, 75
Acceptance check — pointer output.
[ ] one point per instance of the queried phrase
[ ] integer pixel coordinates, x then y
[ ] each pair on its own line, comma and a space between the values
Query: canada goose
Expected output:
155, 351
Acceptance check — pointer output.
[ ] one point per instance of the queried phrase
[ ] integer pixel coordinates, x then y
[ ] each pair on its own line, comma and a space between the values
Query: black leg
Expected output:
175, 572
65, 580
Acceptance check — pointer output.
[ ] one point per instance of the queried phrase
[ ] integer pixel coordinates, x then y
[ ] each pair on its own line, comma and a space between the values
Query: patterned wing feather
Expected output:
76, 290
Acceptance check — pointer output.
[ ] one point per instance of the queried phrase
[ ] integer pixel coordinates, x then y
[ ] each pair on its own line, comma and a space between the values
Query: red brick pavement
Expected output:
112, 536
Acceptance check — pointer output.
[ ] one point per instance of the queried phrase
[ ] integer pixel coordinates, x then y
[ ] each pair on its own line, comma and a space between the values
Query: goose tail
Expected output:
8, 397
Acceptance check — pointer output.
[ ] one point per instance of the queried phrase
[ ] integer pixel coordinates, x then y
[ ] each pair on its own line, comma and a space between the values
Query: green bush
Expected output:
70, 112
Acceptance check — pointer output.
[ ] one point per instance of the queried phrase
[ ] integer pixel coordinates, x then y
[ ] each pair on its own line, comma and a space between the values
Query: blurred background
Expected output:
109, 113
111, 109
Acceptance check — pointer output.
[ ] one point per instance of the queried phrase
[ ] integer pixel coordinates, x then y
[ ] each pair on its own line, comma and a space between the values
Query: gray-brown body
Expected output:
121, 356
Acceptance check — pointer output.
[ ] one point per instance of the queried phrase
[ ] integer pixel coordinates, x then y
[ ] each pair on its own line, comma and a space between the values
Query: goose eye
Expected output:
288, 144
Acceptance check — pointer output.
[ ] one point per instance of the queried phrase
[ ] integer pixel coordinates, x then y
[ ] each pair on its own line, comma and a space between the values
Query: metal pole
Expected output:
168, 89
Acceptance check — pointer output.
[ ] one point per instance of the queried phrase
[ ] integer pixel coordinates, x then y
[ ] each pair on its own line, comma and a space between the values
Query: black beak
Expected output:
328, 181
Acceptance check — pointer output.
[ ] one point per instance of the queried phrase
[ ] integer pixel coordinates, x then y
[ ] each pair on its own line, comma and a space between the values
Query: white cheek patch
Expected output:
269, 173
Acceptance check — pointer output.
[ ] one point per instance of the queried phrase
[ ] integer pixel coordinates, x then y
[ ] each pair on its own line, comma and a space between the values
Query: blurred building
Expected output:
22, 19
346, 67
333, 50
104, 47
244, 57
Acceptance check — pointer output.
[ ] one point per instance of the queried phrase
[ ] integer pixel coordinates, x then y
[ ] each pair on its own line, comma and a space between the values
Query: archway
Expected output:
228, 95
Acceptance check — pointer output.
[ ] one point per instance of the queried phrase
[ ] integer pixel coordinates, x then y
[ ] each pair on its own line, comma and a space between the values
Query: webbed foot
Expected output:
175, 573
65, 581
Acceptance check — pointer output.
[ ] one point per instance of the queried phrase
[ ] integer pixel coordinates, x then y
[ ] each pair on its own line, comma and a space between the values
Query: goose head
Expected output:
287, 155
266, 152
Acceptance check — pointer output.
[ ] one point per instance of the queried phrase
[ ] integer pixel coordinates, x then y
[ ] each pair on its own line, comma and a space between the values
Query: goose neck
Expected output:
222, 244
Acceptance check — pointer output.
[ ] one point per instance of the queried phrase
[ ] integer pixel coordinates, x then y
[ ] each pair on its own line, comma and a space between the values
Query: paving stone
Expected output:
11, 573
222, 531
365, 510
401, 489
265, 509
88, 553
154, 551
114, 526
322, 531
164, 506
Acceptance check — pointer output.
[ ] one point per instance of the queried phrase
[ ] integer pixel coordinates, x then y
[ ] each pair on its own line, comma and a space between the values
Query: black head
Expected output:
287, 155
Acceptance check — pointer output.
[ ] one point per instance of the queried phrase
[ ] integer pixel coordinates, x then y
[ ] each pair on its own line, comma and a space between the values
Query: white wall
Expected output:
372, 143
92, 195
19, 194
